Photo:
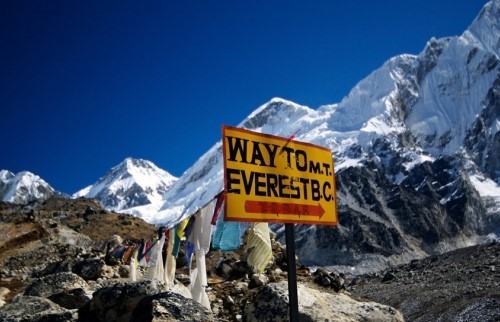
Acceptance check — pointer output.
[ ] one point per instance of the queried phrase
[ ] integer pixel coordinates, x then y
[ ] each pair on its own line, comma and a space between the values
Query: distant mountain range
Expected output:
416, 146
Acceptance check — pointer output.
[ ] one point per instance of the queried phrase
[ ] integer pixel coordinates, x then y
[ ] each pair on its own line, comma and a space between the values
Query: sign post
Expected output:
272, 179
293, 297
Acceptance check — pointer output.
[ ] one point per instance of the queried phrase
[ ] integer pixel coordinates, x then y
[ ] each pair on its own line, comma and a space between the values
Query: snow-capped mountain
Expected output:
132, 183
416, 150
23, 187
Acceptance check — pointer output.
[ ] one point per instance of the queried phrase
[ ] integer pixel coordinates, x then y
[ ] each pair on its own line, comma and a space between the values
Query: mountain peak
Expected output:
5, 175
130, 163
23, 187
486, 27
271, 116
131, 183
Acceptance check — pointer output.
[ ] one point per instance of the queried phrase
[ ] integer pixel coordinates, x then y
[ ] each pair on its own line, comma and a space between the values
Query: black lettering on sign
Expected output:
260, 185
294, 186
272, 182
289, 152
301, 160
257, 155
247, 182
314, 167
232, 180
283, 185
271, 150
239, 149
326, 194
277, 185
327, 169
304, 182
316, 194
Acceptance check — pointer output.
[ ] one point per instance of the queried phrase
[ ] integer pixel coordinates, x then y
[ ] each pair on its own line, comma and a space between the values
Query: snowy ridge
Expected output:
23, 187
132, 183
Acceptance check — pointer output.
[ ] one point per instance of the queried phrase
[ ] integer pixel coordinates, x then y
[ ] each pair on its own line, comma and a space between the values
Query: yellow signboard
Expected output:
273, 179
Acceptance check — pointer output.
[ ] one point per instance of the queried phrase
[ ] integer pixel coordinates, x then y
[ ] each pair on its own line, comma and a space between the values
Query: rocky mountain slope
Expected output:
53, 267
462, 285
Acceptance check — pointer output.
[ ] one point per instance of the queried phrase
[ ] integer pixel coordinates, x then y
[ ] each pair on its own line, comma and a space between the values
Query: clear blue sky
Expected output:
84, 84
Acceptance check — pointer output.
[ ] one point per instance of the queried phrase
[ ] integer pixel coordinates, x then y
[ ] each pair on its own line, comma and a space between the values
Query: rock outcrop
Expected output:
271, 304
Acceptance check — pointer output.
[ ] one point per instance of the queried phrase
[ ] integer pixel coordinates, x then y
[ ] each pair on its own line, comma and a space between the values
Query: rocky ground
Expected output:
462, 285
53, 268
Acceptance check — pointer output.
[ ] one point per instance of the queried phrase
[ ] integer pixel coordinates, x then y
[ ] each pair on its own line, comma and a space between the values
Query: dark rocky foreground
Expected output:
53, 267
462, 285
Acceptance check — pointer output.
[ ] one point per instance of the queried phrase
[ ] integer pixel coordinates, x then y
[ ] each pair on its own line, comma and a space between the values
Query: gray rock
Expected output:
485, 309
124, 271
89, 269
259, 280
71, 299
55, 283
271, 304
388, 277
183, 278
34, 308
329, 279
4, 291
116, 302
180, 289
108, 272
224, 270
66, 289
169, 306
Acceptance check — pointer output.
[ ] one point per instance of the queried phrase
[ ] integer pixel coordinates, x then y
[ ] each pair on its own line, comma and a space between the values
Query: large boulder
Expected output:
66, 289
34, 308
329, 279
169, 306
90, 269
271, 304
116, 302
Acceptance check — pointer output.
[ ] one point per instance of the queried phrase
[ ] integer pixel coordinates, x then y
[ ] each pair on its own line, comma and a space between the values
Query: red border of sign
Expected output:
326, 223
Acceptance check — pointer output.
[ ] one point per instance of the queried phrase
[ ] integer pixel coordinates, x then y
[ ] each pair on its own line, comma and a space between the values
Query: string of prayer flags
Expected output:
134, 263
199, 281
117, 251
200, 238
204, 228
147, 251
227, 235
155, 264
181, 228
189, 253
177, 243
140, 256
259, 247
189, 226
170, 262
128, 254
